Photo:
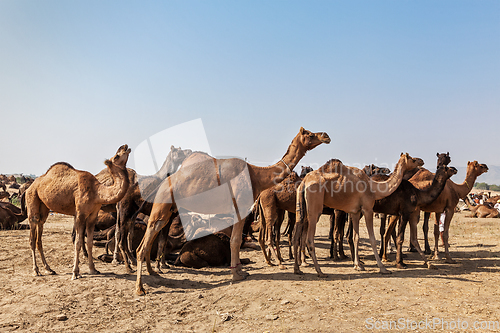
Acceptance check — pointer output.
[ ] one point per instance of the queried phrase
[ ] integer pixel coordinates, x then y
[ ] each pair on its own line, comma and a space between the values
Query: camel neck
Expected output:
463, 189
113, 193
385, 188
266, 177
430, 194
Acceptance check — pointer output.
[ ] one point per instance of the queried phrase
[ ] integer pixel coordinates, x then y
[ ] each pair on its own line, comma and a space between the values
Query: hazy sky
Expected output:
80, 78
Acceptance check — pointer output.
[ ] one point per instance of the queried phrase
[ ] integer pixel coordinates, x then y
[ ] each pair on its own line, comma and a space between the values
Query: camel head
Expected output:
411, 162
443, 159
121, 157
447, 171
372, 170
305, 170
310, 140
476, 168
179, 155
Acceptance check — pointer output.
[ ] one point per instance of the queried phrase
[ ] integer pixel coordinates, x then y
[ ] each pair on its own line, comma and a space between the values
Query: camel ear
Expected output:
108, 162
437, 154
172, 147
302, 130
448, 154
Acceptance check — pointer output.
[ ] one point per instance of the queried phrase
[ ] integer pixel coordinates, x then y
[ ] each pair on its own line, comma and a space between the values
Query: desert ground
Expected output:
269, 300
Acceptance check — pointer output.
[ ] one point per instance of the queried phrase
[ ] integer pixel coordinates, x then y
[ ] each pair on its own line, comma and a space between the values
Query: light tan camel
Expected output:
481, 211
201, 173
349, 189
446, 201
63, 189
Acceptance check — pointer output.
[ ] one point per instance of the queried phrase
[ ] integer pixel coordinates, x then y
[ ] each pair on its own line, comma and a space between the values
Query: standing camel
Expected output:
201, 173
65, 190
405, 203
445, 202
349, 189
141, 188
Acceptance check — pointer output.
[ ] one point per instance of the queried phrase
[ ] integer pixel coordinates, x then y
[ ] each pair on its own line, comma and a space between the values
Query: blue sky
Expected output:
80, 78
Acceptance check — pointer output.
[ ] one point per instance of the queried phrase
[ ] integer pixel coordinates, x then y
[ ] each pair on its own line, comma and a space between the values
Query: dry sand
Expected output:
189, 300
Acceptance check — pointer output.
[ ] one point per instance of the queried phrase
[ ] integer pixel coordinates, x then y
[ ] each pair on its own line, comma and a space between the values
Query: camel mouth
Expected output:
324, 138
454, 170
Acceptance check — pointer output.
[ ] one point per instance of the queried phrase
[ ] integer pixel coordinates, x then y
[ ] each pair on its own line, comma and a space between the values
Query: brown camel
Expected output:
65, 190
493, 199
445, 202
272, 204
349, 189
136, 198
405, 203
481, 211
4, 195
240, 181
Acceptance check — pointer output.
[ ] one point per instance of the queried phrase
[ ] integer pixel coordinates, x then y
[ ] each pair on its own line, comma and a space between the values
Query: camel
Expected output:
243, 182
4, 195
10, 215
136, 198
349, 189
272, 204
481, 211
405, 202
493, 199
445, 202
63, 189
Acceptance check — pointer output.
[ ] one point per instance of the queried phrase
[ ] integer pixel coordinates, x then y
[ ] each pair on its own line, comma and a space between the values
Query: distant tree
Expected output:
482, 186
494, 188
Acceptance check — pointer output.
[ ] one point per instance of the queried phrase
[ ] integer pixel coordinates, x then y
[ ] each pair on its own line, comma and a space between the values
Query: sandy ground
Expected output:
270, 300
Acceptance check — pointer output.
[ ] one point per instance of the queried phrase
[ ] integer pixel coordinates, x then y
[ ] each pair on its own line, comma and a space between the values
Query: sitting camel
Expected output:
10, 215
242, 183
63, 189
349, 189
481, 211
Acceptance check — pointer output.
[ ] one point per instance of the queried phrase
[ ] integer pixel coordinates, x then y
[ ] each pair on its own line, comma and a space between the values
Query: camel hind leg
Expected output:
37, 215
90, 225
413, 238
368, 213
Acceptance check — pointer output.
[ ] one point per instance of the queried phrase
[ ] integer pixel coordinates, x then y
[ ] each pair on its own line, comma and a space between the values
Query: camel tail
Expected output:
301, 204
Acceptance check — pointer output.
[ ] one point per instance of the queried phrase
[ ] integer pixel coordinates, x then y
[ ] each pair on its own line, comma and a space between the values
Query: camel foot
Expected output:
411, 249
133, 261
322, 275
236, 275
450, 261
129, 270
115, 262
428, 251
76, 276
165, 266
297, 271
50, 271
270, 263
94, 272
401, 265
153, 273
343, 257
430, 266
140, 291
359, 267
282, 267
434, 257
385, 271
36, 272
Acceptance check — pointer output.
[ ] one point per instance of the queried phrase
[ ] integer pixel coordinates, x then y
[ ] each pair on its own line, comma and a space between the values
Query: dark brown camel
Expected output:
201, 173
10, 215
63, 189
405, 202
446, 202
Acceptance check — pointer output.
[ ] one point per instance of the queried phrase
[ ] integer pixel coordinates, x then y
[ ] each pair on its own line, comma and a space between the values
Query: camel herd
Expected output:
346, 193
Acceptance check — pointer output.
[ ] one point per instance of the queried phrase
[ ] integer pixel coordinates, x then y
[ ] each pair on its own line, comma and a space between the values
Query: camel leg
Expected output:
331, 237
277, 227
447, 221
339, 233
144, 249
425, 229
80, 230
399, 242
413, 238
383, 250
436, 237
43, 217
355, 238
118, 232
34, 221
311, 232
271, 221
262, 241
368, 213
384, 244
91, 220
236, 236
291, 224
297, 236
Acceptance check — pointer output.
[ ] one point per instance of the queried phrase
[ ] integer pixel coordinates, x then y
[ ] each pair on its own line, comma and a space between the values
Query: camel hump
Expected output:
332, 165
62, 164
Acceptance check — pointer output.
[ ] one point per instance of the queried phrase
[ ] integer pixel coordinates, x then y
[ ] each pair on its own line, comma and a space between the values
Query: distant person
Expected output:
497, 206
